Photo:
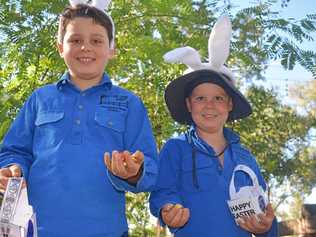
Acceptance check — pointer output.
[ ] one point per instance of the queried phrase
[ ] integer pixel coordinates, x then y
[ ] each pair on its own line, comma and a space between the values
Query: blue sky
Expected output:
296, 9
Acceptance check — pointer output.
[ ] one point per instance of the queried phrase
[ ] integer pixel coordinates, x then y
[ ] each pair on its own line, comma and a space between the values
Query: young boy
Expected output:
196, 168
62, 138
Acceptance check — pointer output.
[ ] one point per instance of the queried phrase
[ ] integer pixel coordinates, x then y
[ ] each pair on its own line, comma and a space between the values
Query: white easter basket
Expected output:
249, 200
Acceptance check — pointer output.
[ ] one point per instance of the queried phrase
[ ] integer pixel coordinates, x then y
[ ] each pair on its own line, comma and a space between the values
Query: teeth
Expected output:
85, 60
209, 115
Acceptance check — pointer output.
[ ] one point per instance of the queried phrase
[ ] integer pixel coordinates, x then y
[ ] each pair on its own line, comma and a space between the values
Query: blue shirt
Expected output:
59, 138
205, 188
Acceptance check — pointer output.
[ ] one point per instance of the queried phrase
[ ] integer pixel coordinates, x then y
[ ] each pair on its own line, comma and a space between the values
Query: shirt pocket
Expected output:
48, 117
109, 129
48, 128
204, 174
112, 120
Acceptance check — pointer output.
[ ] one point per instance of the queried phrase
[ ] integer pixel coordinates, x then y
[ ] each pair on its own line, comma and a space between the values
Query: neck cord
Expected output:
194, 175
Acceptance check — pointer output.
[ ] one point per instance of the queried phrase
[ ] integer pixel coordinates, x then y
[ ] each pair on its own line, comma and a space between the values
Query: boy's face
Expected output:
209, 106
85, 49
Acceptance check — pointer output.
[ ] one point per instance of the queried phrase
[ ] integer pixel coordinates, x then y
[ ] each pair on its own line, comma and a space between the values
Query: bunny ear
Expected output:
219, 42
186, 55
76, 2
101, 4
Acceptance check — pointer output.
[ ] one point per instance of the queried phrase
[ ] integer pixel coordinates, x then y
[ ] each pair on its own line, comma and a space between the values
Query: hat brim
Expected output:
175, 95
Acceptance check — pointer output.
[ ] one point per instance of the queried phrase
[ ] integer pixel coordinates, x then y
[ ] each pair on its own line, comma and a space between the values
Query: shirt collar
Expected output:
65, 80
229, 134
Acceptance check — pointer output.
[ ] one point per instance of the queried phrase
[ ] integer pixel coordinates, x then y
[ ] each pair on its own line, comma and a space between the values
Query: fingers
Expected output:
119, 165
175, 215
116, 165
132, 163
185, 216
107, 160
6, 173
4, 178
24, 184
112, 163
123, 164
258, 224
269, 212
15, 171
245, 223
138, 157
267, 218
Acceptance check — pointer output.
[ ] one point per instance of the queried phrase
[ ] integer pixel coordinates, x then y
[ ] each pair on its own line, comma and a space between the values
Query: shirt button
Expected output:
80, 107
110, 124
78, 121
83, 94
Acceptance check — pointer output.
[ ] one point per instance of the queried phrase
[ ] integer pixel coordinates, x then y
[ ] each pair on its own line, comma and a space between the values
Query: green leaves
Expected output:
146, 29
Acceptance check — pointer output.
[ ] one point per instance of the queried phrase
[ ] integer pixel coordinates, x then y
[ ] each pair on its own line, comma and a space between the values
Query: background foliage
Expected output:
146, 29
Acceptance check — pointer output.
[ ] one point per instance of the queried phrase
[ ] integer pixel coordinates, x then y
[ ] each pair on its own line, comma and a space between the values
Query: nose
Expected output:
85, 46
210, 103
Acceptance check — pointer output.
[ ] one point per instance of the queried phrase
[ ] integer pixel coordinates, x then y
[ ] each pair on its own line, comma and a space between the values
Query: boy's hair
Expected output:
83, 10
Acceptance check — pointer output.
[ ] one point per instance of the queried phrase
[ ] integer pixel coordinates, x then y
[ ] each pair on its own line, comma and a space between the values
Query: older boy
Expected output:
61, 139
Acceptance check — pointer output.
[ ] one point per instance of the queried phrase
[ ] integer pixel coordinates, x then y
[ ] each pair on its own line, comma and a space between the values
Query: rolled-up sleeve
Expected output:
139, 136
166, 190
18, 142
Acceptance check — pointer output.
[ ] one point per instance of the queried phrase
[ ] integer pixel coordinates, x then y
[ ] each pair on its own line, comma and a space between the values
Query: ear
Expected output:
188, 103
230, 105
60, 49
111, 53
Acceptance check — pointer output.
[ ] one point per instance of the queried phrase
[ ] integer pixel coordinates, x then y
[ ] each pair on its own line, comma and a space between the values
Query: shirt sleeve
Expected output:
166, 190
139, 136
18, 142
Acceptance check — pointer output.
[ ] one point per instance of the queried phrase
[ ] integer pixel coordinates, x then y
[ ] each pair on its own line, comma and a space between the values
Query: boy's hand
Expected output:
260, 224
6, 173
125, 165
175, 216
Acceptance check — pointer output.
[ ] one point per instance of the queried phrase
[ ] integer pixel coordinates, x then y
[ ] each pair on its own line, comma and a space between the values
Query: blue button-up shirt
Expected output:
59, 138
209, 212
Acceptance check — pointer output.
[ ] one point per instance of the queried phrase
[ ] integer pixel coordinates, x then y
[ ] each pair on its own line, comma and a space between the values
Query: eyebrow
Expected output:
214, 94
99, 35
93, 35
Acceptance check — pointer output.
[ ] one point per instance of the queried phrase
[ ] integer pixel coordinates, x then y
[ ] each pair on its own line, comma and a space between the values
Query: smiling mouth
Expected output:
85, 60
209, 116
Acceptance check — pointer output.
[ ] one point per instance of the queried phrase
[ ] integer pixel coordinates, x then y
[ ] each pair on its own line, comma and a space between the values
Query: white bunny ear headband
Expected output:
218, 49
102, 5
198, 72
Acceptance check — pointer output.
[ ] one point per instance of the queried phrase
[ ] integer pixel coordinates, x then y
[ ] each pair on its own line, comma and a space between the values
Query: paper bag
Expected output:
17, 218
249, 200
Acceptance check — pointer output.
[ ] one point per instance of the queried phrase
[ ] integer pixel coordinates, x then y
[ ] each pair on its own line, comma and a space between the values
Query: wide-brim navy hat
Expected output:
214, 71
180, 88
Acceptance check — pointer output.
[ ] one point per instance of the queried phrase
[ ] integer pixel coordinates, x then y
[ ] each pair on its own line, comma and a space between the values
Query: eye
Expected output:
75, 41
97, 41
200, 98
220, 98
